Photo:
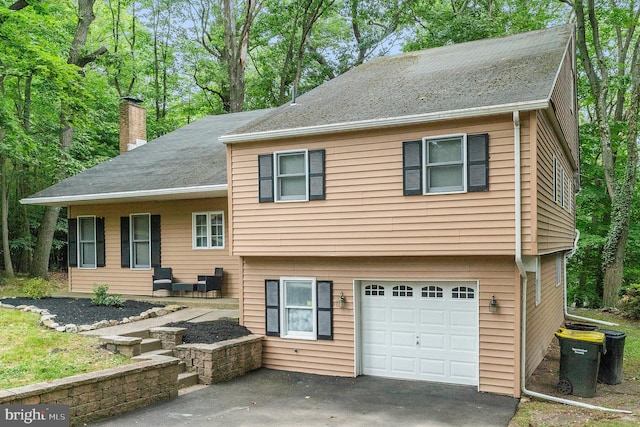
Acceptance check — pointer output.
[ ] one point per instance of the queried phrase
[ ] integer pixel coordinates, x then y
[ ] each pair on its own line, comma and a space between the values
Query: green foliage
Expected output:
37, 288
630, 302
102, 298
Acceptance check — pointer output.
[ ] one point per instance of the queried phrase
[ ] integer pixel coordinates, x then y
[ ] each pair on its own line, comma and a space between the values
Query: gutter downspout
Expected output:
523, 278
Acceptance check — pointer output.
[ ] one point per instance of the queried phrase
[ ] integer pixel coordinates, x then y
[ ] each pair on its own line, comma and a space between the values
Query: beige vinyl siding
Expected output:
365, 206
176, 248
555, 224
563, 99
498, 341
543, 319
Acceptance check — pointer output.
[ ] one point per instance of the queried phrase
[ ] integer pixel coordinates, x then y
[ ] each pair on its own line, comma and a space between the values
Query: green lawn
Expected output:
30, 353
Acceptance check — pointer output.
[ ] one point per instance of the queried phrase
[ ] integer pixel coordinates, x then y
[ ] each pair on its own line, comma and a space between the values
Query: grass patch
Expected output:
30, 354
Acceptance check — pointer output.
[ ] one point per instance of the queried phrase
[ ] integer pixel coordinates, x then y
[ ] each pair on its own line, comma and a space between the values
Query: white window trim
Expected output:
276, 176
80, 241
284, 332
562, 185
131, 242
425, 167
194, 235
555, 179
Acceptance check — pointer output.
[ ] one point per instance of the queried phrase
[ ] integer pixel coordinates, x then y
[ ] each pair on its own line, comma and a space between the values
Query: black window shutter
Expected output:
316, 175
412, 168
156, 260
72, 242
100, 246
272, 307
324, 310
125, 260
478, 162
265, 178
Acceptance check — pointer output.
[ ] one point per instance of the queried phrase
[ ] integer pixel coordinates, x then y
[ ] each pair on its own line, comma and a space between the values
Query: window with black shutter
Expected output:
438, 165
291, 176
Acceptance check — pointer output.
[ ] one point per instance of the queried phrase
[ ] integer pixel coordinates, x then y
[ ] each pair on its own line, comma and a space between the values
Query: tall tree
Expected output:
77, 58
609, 49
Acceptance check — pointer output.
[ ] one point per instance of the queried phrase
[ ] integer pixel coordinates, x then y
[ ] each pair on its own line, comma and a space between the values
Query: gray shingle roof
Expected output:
513, 70
187, 160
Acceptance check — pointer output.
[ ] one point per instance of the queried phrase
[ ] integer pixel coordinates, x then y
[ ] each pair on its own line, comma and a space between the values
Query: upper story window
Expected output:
446, 164
291, 176
141, 241
208, 230
87, 242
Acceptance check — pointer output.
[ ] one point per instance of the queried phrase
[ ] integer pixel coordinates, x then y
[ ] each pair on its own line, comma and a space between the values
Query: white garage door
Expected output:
426, 331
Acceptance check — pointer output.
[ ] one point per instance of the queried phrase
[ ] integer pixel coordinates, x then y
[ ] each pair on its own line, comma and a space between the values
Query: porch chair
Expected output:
211, 283
162, 279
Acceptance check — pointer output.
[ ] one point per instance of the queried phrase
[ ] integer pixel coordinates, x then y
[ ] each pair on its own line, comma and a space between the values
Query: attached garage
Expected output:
420, 330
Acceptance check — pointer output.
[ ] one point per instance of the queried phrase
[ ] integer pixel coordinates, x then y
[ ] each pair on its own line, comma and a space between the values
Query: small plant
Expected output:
37, 288
104, 299
630, 302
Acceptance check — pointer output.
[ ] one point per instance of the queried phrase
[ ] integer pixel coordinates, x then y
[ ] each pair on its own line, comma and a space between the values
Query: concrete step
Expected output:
187, 379
140, 334
161, 352
186, 390
150, 344
182, 367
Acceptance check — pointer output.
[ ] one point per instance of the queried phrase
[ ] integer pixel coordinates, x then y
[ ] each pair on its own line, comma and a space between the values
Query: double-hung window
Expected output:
208, 230
446, 164
141, 241
87, 242
291, 176
299, 308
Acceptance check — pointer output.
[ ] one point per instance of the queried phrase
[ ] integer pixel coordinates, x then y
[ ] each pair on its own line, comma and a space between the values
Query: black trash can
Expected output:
610, 371
579, 361
580, 326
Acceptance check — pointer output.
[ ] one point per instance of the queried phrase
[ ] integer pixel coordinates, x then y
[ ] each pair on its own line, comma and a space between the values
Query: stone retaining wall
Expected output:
222, 361
106, 393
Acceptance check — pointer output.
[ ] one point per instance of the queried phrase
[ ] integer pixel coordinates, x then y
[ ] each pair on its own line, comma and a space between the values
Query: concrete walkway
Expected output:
184, 315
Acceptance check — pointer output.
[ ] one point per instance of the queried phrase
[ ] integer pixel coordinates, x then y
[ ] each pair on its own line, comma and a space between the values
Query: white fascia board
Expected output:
385, 122
139, 195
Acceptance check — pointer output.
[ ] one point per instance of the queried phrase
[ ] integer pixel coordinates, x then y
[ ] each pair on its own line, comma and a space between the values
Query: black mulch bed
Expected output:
210, 332
81, 311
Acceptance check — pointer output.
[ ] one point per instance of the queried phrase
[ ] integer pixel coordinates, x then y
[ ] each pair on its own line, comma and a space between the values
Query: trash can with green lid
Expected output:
610, 371
579, 361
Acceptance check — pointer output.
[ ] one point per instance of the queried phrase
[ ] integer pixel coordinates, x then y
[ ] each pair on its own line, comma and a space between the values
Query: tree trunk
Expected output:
42, 251
6, 249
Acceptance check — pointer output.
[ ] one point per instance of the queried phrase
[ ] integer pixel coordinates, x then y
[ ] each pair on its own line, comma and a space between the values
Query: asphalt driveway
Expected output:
277, 398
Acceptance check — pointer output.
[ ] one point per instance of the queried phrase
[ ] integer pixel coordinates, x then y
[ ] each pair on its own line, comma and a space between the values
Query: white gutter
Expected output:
385, 122
165, 193
523, 276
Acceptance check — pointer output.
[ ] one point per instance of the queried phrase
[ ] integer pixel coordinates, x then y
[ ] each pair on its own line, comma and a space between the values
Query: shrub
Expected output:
630, 302
103, 298
37, 288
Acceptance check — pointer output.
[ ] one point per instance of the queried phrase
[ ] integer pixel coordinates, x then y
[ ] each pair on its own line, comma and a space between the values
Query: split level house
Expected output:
410, 218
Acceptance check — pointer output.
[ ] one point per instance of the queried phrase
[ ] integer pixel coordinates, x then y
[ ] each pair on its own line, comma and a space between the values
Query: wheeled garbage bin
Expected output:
610, 371
579, 361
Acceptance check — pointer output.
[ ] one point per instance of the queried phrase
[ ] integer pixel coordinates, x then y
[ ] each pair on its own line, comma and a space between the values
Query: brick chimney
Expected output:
133, 124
